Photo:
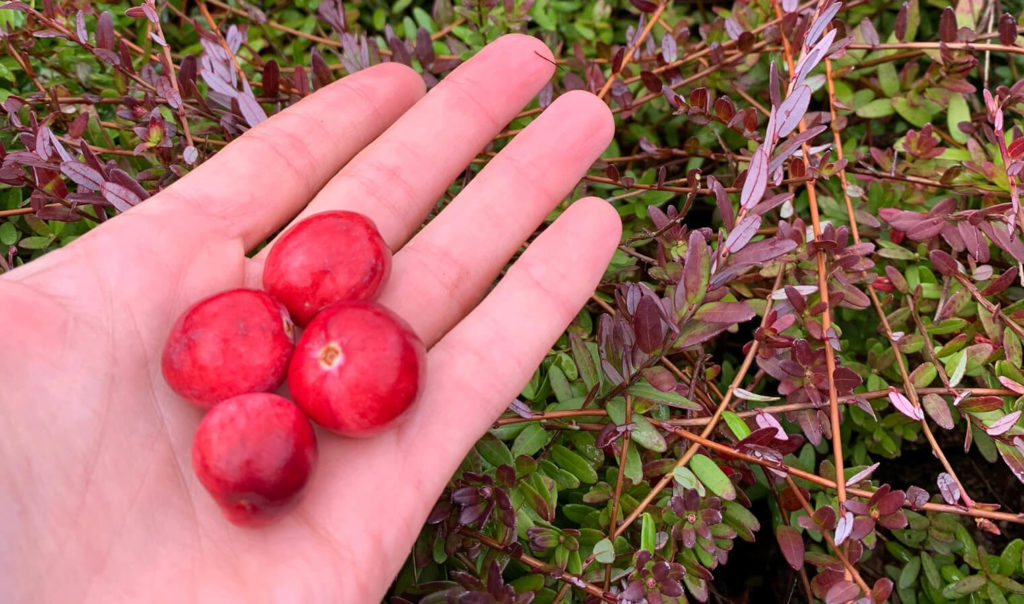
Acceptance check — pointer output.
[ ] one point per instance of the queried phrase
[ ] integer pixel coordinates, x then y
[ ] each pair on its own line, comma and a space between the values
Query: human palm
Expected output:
99, 499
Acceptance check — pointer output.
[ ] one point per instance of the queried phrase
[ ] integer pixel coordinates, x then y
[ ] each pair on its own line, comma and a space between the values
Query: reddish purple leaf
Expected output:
842, 591
791, 544
1003, 424
862, 475
250, 108
669, 48
698, 332
80, 31
881, 590
651, 81
904, 406
774, 84
733, 29
867, 30
647, 325
696, 270
150, 12
845, 379
105, 31
77, 126
767, 420
726, 313
424, 48
722, 200
644, 5
938, 410
981, 404
825, 517
792, 110
271, 81
1013, 457
947, 25
82, 175
792, 145
742, 234
943, 262
1007, 29
135, 12
916, 497
949, 489
1011, 384
322, 75
843, 528
821, 21
187, 73
122, 198
757, 179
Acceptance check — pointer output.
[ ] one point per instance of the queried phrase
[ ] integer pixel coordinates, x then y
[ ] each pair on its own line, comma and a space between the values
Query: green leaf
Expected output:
530, 440
634, 469
888, 79
736, 424
957, 112
494, 451
875, 109
559, 384
616, 409
8, 234
917, 115
958, 369
687, 479
931, 572
648, 533
913, 20
584, 361
741, 519
1007, 584
965, 586
1011, 558
604, 551
644, 390
908, 576
923, 375
712, 476
647, 436
573, 463
35, 243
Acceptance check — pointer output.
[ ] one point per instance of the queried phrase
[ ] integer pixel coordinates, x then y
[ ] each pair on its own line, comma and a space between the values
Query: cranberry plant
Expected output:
801, 375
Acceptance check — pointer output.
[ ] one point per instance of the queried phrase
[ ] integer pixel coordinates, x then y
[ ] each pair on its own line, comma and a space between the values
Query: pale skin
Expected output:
99, 501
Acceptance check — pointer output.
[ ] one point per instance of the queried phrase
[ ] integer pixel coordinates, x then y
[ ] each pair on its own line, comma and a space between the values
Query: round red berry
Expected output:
235, 342
254, 454
356, 368
326, 258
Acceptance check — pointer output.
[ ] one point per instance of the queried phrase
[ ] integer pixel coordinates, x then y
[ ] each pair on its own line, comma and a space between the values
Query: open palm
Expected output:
99, 501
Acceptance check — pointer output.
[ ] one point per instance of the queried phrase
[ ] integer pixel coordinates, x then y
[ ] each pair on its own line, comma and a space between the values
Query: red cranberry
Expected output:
327, 258
254, 454
356, 367
235, 342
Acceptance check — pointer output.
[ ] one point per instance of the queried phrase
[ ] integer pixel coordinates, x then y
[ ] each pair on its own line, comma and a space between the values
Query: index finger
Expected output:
263, 178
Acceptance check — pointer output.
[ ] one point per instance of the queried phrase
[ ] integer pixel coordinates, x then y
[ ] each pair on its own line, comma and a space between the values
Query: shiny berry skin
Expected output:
254, 454
356, 368
234, 342
329, 257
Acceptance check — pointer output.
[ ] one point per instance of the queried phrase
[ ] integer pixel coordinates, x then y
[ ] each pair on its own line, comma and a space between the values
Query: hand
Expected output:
99, 498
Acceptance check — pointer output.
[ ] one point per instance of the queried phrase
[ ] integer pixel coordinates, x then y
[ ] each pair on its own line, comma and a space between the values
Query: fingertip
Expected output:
582, 101
601, 219
392, 73
526, 46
